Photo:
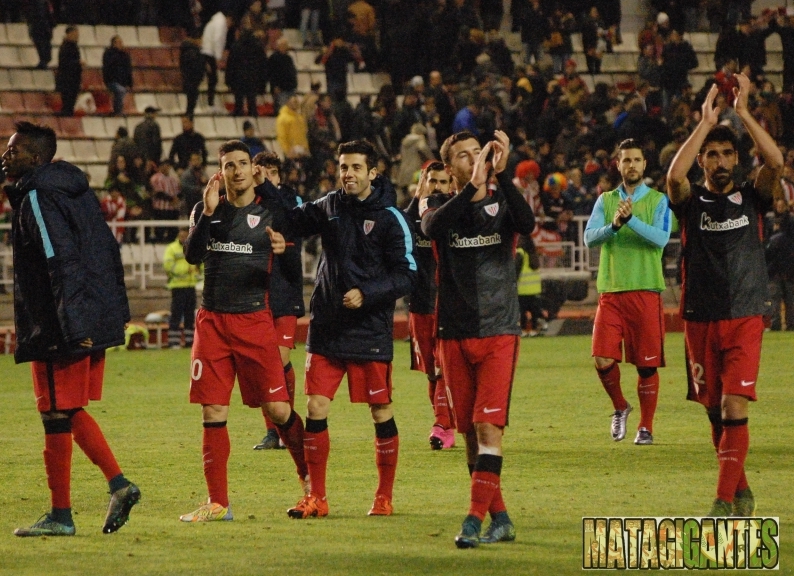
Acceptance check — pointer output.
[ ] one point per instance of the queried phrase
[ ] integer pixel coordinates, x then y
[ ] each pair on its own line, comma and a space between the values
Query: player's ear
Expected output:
373, 173
700, 160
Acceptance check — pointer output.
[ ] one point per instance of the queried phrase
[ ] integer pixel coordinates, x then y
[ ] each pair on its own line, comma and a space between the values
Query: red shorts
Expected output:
285, 330
634, 319
367, 382
723, 358
422, 328
479, 375
68, 384
225, 345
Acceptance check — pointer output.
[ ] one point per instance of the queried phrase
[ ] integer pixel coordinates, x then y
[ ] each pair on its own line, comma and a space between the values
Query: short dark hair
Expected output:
267, 159
435, 166
720, 133
360, 147
451, 141
631, 144
233, 146
41, 139
70, 28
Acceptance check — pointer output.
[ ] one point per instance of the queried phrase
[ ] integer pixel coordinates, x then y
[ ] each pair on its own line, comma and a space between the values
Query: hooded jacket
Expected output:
366, 245
68, 276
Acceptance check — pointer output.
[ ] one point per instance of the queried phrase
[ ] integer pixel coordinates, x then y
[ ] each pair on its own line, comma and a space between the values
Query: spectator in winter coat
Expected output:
291, 129
117, 73
147, 136
191, 66
41, 21
188, 142
246, 72
68, 77
283, 74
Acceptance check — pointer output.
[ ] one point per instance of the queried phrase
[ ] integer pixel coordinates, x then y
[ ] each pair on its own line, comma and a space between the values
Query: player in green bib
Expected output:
632, 225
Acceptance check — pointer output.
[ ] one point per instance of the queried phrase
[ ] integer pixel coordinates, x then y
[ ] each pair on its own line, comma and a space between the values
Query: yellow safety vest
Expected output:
529, 280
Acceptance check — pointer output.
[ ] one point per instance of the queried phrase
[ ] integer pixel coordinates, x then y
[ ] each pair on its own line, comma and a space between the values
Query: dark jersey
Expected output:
723, 268
236, 252
423, 296
475, 245
286, 276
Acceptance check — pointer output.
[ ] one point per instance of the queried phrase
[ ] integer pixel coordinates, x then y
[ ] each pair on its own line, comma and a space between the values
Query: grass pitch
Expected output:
560, 465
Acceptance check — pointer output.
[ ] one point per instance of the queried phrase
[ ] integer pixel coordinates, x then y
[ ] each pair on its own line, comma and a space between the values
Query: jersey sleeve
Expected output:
198, 237
598, 230
658, 232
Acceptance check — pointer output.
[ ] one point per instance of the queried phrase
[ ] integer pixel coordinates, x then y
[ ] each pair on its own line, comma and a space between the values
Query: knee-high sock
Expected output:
90, 439
316, 447
441, 407
58, 461
648, 391
217, 448
731, 455
497, 503
484, 483
291, 433
610, 379
716, 438
387, 448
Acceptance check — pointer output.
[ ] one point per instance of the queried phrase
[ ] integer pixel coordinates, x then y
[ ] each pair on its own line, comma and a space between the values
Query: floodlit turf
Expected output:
560, 465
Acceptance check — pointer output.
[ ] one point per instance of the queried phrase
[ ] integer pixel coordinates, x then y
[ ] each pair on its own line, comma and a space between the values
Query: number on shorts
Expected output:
308, 361
196, 369
697, 372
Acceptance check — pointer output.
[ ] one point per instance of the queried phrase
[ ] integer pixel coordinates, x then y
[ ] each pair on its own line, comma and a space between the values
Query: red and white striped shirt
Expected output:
162, 184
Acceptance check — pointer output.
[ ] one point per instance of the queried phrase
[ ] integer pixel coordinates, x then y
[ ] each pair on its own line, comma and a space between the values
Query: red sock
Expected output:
483, 487
292, 436
386, 451
716, 436
289, 376
441, 406
217, 448
90, 439
58, 464
431, 391
316, 446
610, 379
731, 455
648, 391
497, 503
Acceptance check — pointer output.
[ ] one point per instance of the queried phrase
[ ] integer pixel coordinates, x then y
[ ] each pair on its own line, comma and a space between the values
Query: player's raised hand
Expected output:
741, 93
212, 194
422, 189
353, 299
259, 175
501, 151
482, 166
710, 115
277, 241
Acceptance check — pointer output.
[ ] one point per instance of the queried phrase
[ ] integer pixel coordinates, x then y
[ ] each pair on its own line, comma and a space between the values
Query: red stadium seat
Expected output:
71, 127
12, 102
92, 79
36, 103
171, 35
163, 58
141, 57
6, 126
172, 81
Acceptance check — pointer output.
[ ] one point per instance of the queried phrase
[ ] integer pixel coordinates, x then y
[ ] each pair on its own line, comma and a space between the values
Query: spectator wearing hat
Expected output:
68, 76
526, 181
147, 136
255, 145
246, 72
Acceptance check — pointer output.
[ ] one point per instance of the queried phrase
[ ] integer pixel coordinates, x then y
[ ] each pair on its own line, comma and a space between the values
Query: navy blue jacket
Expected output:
366, 245
68, 276
286, 276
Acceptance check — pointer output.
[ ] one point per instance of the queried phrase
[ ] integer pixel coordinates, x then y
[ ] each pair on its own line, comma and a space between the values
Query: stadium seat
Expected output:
64, 151
164, 57
226, 128
170, 103
43, 80
353, 99
3, 35
92, 79
205, 125
103, 148
129, 34
304, 61
97, 174
576, 43
141, 57
362, 83
305, 82
35, 103
12, 102
104, 34
167, 129
513, 41
774, 62
581, 62
70, 127
112, 124
144, 99
93, 56
773, 43
94, 127
87, 35
5, 80
148, 36
58, 33
277, 149
267, 126
17, 34
629, 43
700, 41
9, 56
293, 35
22, 79
171, 36
84, 150
6, 126
28, 57
172, 81
705, 62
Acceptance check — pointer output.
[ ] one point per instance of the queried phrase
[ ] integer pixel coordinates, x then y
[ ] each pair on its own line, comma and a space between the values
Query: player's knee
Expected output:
604, 363
646, 372
381, 412
318, 407
57, 422
279, 412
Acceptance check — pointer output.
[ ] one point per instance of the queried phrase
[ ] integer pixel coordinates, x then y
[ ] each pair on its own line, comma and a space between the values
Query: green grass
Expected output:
560, 465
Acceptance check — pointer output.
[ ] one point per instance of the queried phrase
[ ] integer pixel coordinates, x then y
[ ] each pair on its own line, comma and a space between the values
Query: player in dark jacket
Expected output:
286, 289
366, 265
475, 234
70, 305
